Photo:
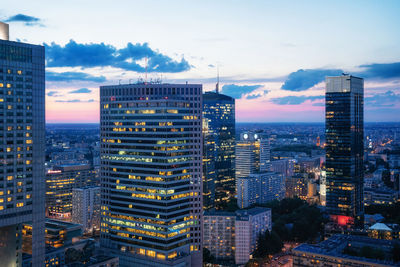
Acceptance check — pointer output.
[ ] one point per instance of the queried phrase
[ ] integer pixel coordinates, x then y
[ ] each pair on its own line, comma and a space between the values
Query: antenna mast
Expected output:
217, 85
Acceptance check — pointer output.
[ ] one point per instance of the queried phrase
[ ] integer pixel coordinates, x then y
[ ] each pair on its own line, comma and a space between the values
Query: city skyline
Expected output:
275, 73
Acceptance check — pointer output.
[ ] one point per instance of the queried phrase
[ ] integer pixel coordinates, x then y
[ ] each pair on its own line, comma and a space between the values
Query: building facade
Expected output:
22, 147
252, 154
344, 126
232, 236
60, 181
346, 250
209, 170
219, 116
86, 208
260, 188
151, 173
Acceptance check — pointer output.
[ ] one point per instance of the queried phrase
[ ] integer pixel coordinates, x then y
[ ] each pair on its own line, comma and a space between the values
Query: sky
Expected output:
272, 56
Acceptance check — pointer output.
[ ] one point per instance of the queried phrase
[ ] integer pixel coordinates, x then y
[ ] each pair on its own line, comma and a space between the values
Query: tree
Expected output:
207, 257
268, 244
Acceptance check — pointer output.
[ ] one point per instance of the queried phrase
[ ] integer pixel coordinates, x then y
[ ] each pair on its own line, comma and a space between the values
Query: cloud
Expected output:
295, 100
27, 20
72, 76
129, 58
81, 91
382, 71
52, 93
257, 95
387, 99
75, 101
237, 91
302, 80
211, 66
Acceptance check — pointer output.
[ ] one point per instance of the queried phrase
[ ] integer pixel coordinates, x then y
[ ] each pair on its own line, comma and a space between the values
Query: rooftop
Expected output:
335, 245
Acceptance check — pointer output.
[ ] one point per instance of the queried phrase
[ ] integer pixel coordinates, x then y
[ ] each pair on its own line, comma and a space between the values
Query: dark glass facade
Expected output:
219, 114
344, 149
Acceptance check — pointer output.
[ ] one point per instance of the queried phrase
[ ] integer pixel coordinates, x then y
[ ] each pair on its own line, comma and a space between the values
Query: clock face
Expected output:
255, 136
245, 136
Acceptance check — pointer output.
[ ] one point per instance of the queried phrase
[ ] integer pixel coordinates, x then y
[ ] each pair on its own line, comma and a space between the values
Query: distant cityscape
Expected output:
170, 178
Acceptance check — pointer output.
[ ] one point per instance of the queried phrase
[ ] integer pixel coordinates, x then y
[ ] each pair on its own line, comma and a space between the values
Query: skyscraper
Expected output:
252, 154
151, 173
219, 114
22, 146
209, 171
344, 113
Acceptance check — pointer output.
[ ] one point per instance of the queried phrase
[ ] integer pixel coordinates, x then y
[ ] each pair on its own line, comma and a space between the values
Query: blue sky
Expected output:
272, 55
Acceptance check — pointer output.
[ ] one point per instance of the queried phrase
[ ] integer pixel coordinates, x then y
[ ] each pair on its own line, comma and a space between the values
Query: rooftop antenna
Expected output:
217, 85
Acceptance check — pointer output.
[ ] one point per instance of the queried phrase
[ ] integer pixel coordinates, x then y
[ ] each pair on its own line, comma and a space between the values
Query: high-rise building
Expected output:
86, 208
22, 146
344, 126
252, 154
209, 171
219, 114
151, 173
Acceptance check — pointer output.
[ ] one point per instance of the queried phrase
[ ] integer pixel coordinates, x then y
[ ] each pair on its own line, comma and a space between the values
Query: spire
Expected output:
217, 85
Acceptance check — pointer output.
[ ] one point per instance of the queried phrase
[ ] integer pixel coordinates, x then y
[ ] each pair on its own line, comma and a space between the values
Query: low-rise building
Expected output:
346, 250
380, 196
384, 231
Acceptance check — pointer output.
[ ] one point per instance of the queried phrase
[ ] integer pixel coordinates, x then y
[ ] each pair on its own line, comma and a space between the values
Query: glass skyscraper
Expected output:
219, 114
151, 173
22, 147
344, 113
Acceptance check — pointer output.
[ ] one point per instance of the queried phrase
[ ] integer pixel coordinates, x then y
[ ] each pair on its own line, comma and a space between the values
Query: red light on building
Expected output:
342, 220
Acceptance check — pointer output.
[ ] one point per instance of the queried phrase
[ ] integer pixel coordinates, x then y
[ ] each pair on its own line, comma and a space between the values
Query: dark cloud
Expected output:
74, 54
257, 95
387, 99
381, 71
27, 20
237, 91
81, 91
302, 80
75, 101
72, 76
295, 100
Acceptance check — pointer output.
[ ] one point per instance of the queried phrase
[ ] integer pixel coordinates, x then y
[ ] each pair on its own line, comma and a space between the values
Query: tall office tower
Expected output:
219, 112
209, 172
344, 126
86, 208
22, 146
252, 154
151, 173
